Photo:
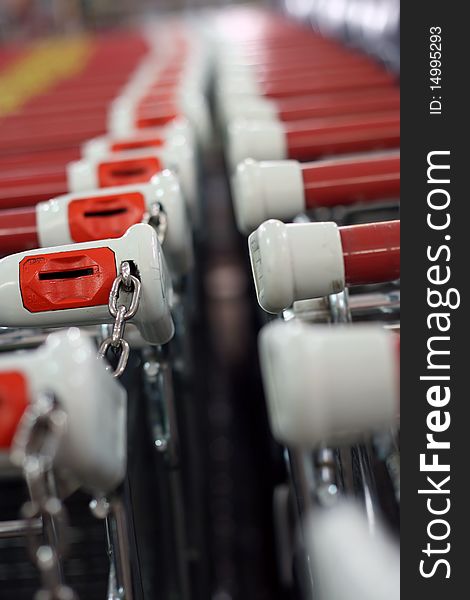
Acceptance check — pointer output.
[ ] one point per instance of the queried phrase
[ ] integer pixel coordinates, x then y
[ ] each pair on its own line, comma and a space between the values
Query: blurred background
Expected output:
372, 24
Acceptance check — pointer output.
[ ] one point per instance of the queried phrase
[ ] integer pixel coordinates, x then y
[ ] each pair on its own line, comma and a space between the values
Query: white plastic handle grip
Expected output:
266, 189
282, 189
328, 384
139, 245
348, 561
122, 117
54, 227
247, 107
295, 262
84, 175
300, 261
176, 133
256, 139
93, 449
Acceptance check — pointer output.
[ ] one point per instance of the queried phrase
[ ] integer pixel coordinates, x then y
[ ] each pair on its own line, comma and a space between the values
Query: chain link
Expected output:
157, 218
129, 284
35, 448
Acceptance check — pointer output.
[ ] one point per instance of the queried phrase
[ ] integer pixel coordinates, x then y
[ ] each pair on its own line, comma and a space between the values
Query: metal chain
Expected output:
35, 447
129, 284
158, 219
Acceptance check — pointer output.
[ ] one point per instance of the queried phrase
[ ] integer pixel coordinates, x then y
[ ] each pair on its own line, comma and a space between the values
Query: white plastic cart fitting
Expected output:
134, 166
176, 133
295, 262
348, 560
191, 104
260, 140
70, 285
328, 385
265, 190
61, 220
92, 452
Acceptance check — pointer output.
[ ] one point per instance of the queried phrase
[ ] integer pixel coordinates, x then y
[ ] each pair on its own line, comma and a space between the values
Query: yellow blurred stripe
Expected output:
47, 63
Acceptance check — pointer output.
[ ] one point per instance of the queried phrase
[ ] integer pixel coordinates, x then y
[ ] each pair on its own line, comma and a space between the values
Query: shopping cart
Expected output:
329, 352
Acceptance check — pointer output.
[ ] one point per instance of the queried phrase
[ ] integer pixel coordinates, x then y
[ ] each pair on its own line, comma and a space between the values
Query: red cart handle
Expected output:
25, 188
279, 67
309, 260
312, 139
316, 106
283, 189
312, 85
310, 107
306, 72
18, 230
371, 252
339, 182
307, 140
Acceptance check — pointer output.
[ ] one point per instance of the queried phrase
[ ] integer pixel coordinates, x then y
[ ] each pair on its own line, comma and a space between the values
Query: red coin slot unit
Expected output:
104, 217
13, 402
61, 280
127, 171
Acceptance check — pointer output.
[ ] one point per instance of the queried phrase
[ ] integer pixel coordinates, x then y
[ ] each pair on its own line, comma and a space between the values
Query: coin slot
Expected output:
48, 276
123, 146
112, 212
128, 172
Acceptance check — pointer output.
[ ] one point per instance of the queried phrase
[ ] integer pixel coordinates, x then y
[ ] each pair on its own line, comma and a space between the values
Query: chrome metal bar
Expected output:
119, 550
20, 528
378, 305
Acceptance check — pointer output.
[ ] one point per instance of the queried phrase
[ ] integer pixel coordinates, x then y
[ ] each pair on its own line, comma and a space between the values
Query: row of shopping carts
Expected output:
311, 134
97, 236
